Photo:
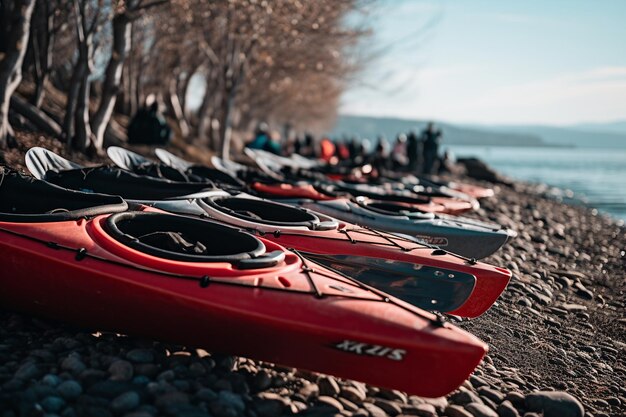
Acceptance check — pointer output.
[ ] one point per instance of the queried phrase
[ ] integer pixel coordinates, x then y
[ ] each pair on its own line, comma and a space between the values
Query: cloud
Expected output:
597, 94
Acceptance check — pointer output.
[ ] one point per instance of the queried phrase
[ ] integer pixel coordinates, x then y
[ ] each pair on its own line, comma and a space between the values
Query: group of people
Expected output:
411, 152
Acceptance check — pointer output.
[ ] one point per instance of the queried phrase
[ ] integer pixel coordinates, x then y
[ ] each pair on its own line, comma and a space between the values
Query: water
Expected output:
595, 176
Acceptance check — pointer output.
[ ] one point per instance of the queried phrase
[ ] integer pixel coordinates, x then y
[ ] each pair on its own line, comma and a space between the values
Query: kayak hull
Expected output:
389, 344
347, 240
467, 239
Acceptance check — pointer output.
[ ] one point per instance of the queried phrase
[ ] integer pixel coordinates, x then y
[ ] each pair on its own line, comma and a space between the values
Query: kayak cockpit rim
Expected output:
183, 238
269, 213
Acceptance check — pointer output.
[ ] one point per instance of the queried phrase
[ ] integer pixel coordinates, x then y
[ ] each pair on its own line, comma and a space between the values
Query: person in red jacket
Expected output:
327, 149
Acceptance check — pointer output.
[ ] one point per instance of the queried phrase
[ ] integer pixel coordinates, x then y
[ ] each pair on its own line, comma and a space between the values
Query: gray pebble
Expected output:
206, 394
121, 370
491, 394
374, 411
353, 394
126, 402
309, 390
424, 410
388, 407
53, 404
330, 402
480, 410
232, 400
28, 371
464, 396
262, 381
328, 386
51, 380
73, 364
456, 411
70, 390
554, 404
140, 356
171, 398
506, 409
268, 404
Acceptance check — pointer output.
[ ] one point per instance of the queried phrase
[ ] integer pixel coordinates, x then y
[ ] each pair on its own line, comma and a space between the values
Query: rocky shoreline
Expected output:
557, 345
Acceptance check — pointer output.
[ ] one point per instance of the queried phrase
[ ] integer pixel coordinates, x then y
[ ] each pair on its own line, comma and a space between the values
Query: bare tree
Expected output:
15, 16
125, 12
284, 61
87, 19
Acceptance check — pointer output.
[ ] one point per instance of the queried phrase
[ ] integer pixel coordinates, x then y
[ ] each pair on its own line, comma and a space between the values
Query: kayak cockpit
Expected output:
128, 185
187, 239
26, 199
393, 209
270, 213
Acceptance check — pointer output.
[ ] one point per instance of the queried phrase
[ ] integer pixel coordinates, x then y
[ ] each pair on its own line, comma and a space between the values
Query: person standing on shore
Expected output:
399, 153
263, 140
148, 126
431, 138
413, 151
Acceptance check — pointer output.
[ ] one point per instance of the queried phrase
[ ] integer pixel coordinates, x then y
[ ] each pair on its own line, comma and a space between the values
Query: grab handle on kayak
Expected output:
327, 225
264, 261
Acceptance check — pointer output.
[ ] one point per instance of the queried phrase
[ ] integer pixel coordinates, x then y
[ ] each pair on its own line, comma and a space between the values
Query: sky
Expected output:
552, 62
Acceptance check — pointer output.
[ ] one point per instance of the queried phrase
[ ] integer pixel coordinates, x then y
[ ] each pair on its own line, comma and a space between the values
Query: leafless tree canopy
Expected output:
243, 61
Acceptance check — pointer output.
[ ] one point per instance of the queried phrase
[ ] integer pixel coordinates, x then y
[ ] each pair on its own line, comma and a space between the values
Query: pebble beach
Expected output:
557, 340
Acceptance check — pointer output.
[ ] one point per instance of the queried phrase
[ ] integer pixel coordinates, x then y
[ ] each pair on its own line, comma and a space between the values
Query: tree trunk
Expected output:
177, 109
140, 98
41, 42
204, 120
17, 14
72, 98
226, 129
35, 115
83, 137
113, 75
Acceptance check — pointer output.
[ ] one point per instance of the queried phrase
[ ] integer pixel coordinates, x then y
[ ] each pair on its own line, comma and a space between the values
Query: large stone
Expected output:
330, 402
456, 411
425, 410
268, 404
140, 356
328, 386
309, 390
464, 396
232, 400
171, 398
53, 404
70, 390
388, 407
353, 394
480, 410
374, 411
495, 396
506, 409
27, 371
125, 402
121, 370
73, 364
440, 403
554, 404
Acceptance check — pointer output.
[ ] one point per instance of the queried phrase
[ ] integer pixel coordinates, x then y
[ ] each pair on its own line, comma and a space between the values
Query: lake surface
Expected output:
595, 176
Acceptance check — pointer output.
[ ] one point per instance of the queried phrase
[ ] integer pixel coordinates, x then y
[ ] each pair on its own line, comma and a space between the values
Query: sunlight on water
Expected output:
596, 176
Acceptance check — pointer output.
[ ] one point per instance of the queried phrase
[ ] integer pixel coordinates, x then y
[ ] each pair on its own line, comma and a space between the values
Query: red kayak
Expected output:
287, 191
279, 190
196, 282
362, 252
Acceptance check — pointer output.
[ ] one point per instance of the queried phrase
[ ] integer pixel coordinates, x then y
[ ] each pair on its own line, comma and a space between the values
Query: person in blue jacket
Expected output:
263, 140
